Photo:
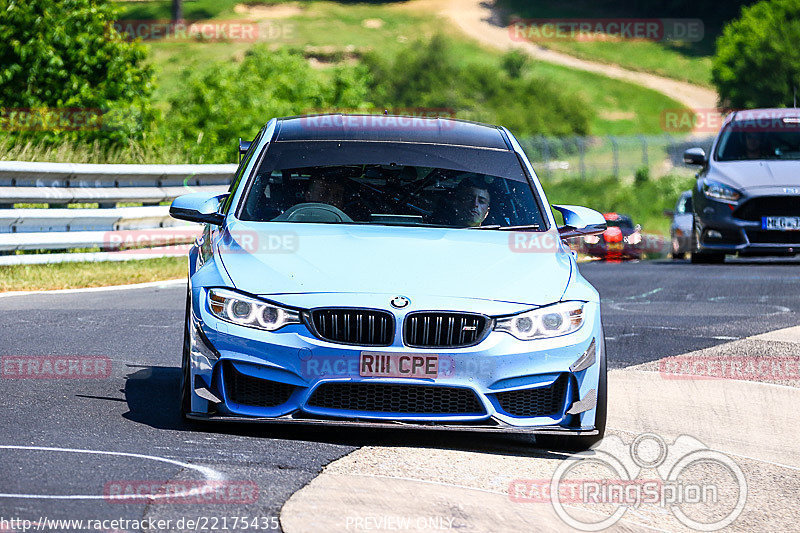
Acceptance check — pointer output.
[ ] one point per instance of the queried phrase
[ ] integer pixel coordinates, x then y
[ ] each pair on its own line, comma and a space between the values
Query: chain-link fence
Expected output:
589, 157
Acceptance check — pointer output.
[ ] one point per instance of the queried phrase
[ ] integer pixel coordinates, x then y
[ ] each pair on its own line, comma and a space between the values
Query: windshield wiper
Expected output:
509, 228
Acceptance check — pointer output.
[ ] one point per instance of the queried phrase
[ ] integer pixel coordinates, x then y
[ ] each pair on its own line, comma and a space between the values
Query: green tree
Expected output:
225, 102
757, 63
431, 74
66, 54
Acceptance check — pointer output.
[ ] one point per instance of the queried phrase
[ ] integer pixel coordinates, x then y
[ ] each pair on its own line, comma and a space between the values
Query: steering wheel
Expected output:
313, 212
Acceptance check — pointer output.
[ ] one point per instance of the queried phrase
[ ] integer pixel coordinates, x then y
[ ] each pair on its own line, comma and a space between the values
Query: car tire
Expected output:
185, 390
675, 252
584, 442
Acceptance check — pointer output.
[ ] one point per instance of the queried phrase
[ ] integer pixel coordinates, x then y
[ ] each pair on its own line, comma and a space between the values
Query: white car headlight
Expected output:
719, 191
549, 321
248, 311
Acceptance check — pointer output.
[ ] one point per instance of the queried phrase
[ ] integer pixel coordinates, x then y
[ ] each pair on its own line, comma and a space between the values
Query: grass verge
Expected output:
621, 108
90, 274
685, 61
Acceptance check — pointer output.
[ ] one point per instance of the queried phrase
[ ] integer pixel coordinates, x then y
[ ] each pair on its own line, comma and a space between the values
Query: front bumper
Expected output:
289, 366
738, 235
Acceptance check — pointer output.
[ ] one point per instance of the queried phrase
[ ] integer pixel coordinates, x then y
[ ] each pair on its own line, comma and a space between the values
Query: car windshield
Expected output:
684, 205
391, 195
749, 140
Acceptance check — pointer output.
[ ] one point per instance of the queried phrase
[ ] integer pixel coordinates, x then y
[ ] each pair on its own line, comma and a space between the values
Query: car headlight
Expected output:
549, 321
719, 191
634, 238
591, 239
247, 311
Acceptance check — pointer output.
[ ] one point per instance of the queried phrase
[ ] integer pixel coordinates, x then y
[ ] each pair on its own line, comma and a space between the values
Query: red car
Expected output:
622, 240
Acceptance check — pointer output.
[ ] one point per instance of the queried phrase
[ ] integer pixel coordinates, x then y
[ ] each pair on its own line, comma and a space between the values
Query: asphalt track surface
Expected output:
51, 430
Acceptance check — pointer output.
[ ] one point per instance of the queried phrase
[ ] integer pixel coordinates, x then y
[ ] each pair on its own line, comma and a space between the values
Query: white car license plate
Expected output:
398, 365
781, 223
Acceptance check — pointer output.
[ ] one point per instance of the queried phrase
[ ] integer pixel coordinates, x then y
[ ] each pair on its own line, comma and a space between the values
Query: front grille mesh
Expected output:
773, 237
396, 398
767, 206
365, 327
437, 329
540, 401
247, 390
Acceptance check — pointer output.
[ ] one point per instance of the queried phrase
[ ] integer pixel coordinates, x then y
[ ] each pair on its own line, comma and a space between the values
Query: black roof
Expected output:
390, 128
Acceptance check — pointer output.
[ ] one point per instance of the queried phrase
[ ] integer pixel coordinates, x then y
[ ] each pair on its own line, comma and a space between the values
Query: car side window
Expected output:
237, 179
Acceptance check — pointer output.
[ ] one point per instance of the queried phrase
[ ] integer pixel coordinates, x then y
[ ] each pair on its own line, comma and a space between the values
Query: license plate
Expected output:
615, 246
781, 223
398, 365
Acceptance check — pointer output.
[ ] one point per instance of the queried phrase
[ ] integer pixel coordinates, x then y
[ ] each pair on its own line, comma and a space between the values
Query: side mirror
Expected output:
637, 227
695, 156
669, 213
580, 221
198, 207
244, 146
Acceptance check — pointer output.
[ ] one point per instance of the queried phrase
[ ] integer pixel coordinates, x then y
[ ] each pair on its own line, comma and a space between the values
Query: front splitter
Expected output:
497, 427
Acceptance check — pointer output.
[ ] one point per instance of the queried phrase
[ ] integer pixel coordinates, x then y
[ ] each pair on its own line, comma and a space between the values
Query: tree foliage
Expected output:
432, 75
223, 103
66, 54
757, 63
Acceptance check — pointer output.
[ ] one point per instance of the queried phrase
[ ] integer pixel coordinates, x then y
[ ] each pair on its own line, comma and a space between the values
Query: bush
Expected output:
641, 176
225, 102
645, 202
67, 55
757, 63
432, 75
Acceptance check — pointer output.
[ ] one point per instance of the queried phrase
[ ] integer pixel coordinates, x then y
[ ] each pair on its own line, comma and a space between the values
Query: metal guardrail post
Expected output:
615, 155
645, 158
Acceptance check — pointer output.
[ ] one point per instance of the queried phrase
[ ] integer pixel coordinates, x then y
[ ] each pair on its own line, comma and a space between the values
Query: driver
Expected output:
471, 199
754, 146
325, 190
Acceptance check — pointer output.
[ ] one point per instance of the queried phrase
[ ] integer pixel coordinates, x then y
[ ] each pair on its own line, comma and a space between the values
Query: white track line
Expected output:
210, 474
164, 283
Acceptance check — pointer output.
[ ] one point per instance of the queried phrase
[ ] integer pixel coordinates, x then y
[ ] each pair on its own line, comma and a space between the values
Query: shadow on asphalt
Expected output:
152, 396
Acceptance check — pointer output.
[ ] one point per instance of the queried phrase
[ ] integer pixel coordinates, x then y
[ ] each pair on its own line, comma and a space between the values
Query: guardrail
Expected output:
112, 228
64, 183
108, 227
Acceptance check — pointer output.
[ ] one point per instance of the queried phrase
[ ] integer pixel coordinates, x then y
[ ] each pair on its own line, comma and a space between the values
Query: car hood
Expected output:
745, 175
269, 258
